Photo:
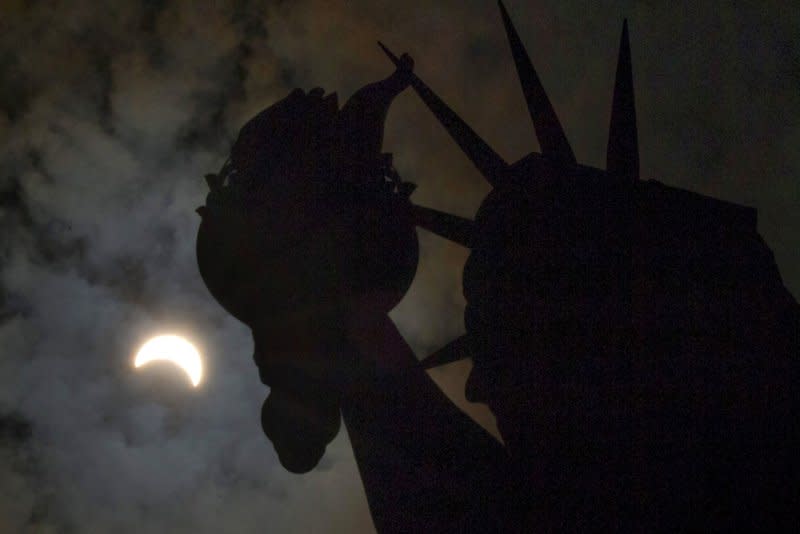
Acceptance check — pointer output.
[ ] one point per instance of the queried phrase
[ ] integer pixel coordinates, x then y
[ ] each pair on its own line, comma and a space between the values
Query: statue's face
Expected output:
543, 286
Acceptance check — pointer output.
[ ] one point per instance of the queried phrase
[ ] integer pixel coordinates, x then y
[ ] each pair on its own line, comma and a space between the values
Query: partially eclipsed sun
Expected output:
172, 349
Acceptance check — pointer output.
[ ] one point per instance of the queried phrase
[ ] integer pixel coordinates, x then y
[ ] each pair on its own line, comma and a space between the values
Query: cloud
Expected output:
111, 113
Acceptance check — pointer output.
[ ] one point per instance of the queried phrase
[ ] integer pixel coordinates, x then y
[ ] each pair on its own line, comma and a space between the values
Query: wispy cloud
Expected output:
111, 113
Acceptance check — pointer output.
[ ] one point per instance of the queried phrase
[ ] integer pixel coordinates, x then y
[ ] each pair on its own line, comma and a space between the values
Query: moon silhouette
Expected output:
173, 349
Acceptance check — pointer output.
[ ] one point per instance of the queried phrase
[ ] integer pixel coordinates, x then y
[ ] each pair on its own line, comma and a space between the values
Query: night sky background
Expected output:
112, 112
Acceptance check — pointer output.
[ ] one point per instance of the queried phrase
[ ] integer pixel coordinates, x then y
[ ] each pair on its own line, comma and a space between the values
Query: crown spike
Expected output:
622, 156
456, 350
488, 162
451, 227
545, 121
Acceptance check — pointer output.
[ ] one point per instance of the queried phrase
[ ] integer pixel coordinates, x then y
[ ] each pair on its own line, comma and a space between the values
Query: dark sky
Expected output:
112, 112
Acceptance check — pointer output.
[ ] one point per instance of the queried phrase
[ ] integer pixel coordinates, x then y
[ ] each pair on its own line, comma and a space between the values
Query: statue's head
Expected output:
293, 239
545, 288
541, 281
